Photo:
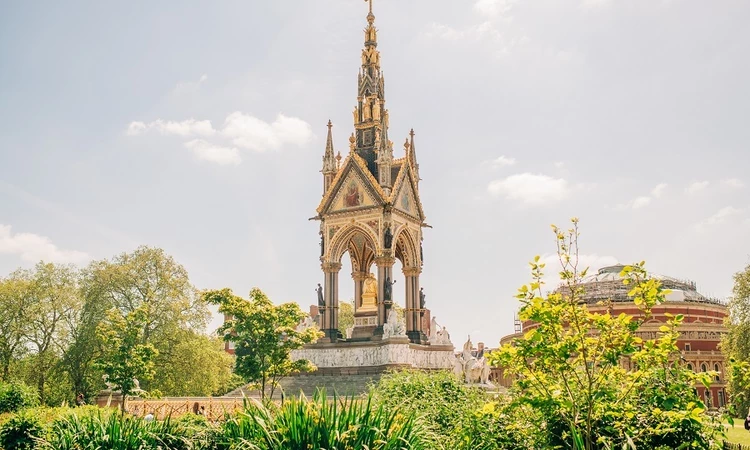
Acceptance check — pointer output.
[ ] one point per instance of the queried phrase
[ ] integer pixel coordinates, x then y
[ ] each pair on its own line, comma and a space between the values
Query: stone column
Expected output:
385, 270
330, 313
412, 312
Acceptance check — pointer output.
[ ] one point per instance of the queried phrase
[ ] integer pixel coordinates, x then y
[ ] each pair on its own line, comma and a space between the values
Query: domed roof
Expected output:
606, 284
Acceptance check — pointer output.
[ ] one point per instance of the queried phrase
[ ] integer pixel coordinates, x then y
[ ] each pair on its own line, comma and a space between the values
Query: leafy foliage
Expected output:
736, 343
441, 399
22, 432
125, 354
264, 335
571, 367
16, 396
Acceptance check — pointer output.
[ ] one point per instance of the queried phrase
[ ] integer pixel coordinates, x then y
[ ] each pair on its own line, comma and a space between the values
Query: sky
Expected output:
199, 127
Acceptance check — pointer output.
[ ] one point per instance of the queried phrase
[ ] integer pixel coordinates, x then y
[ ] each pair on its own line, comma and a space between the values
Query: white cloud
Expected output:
186, 87
530, 188
722, 216
207, 151
560, 164
494, 8
33, 248
657, 191
501, 161
186, 128
733, 183
697, 186
255, 134
644, 200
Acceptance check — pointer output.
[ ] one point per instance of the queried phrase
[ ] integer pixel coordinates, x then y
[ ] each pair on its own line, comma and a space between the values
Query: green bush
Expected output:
22, 432
442, 400
322, 423
16, 396
502, 425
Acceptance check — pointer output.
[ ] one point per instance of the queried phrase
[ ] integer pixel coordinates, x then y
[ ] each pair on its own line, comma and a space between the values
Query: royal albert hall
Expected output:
701, 330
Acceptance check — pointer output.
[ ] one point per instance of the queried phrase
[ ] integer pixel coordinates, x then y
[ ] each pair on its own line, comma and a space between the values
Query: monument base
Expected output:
395, 352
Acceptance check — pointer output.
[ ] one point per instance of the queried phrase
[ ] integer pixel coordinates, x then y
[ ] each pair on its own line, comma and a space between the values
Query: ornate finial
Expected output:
330, 124
406, 145
370, 14
352, 142
411, 133
338, 157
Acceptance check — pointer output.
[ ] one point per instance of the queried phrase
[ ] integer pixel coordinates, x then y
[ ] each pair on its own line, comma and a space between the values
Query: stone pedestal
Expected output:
364, 324
374, 356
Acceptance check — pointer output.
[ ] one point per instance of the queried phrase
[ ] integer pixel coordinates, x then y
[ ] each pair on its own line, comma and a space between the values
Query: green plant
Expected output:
16, 396
114, 432
440, 398
321, 423
570, 367
22, 432
264, 335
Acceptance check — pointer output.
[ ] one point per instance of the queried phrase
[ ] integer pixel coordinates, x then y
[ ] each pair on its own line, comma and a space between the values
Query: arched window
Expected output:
690, 366
718, 372
704, 368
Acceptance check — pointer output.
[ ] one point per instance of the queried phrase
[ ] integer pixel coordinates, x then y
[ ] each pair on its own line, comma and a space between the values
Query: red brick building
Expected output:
701, 331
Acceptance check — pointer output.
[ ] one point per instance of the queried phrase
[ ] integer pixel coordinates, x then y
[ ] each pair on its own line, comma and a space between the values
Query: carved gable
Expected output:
352, 194
406, 198
352, 190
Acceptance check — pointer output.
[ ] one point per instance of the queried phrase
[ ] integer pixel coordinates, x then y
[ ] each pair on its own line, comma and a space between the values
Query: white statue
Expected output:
438, 334
393, 326
472, 370
349, 332
306, 323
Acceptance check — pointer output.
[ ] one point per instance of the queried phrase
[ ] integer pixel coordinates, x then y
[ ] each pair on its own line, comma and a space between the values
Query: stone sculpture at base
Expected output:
471, 369
438, 334
394, 326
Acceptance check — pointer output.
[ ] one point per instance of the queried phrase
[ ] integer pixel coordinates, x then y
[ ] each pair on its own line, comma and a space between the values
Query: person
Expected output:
80, 401
747, 420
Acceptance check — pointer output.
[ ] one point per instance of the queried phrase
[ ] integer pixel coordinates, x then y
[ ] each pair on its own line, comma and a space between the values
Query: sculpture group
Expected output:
473, 370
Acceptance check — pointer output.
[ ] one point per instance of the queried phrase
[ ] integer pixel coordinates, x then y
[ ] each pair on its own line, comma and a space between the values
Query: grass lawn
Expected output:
738, 434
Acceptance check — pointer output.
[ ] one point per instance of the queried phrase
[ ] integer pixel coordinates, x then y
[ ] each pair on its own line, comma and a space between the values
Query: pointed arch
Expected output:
359, 241
406, 247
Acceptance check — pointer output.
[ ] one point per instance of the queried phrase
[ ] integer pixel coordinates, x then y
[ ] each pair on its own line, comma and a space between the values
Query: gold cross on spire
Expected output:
370, 1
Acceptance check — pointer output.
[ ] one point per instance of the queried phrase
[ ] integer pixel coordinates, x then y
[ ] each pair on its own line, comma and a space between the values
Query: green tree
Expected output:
15, 300
55, 302
346, 315
570, 367
125, 356
152, 282
736, 343
199, 366
264, 335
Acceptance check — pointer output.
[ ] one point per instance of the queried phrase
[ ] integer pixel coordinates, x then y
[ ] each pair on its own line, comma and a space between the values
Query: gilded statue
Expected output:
376, 110
370, 293
364, 57
366, 109
356, 115
387, 118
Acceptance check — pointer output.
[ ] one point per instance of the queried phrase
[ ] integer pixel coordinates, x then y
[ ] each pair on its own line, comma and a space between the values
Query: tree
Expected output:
55, 301
15, 296
152, 282
264, 335
346, 315
125, 357
736, 343
570, 368
198, 366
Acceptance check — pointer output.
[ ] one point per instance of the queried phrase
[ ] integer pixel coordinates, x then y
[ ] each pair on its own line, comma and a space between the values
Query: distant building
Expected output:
701, 330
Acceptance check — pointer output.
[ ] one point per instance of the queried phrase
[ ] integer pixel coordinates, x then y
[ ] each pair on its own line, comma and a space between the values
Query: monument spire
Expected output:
330, 164
413, 155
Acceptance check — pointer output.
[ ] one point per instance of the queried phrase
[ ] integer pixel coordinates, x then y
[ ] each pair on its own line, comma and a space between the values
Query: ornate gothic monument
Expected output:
371, 210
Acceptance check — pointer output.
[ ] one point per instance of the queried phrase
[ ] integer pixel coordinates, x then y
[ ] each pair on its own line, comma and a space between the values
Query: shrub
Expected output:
22, 432
442, 400
16, 396
322, 423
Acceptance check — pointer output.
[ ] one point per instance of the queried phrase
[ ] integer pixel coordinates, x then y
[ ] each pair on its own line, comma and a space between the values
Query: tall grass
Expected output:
321, 423
114, 432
